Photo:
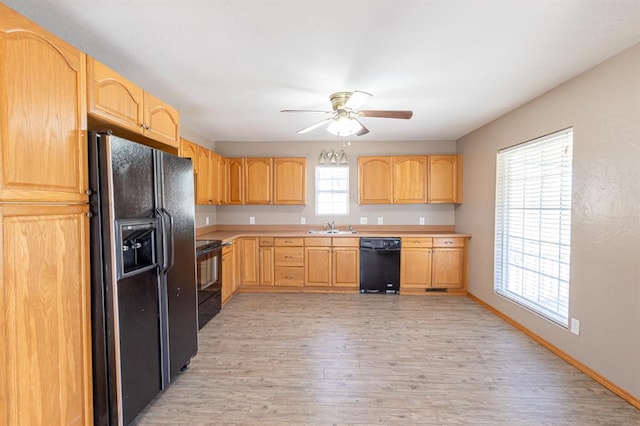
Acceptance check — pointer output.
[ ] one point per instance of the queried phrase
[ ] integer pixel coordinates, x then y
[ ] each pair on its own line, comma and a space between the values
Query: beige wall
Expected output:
442, 214
603, 106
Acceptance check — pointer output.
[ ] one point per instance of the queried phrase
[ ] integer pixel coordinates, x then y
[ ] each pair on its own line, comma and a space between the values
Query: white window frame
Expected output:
335, 206
533, 225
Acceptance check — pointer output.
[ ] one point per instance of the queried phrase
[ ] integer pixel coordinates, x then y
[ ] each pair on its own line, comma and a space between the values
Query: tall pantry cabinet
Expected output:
45, 325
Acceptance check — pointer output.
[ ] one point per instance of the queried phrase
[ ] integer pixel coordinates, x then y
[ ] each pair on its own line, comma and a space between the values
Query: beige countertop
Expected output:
228, 235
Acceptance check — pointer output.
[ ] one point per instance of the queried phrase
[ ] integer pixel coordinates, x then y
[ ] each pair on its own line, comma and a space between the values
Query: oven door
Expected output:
209, 262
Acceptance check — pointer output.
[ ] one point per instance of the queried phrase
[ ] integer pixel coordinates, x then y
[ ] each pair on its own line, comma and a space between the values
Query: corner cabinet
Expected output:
45, 319
115, 100
433, 264
445, 179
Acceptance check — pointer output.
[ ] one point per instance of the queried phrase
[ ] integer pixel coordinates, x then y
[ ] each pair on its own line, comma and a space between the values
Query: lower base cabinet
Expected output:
45, 323
228, 272
432, 263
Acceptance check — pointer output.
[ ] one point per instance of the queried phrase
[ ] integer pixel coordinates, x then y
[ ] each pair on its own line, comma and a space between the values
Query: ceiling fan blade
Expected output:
363, 130
313, 126
357, 99
306, 110
386, 114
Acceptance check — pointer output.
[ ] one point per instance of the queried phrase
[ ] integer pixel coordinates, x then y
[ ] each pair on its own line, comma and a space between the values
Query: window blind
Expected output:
533, 224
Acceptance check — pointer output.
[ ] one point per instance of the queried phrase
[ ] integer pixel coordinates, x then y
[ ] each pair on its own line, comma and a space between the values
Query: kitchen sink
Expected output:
331, 232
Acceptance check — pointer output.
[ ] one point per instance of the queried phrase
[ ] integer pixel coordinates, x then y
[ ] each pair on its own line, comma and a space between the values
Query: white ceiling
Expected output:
230, 66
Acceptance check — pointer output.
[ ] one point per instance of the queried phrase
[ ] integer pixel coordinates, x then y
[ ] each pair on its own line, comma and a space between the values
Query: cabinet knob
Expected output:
88, 192
89, 214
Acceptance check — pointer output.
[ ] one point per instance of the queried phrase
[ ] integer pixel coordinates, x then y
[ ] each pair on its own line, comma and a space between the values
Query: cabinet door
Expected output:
162, 122
374, 180
410, 179
346, 267
203, 186
228, 273
189, 150
415, 268
43, 114
45, 321
114, 98
216, 180
248, 251
257, 180
289, 180
448, 268
444, 183
235, 181
318, 266
266, 266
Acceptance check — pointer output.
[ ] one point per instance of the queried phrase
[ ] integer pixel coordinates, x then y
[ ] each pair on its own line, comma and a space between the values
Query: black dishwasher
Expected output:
379, 265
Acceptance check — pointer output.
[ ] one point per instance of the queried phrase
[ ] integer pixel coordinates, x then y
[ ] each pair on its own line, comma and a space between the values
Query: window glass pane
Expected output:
533, 224
332, 190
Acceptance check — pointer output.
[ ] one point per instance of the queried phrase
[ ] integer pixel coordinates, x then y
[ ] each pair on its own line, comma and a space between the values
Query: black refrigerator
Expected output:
144, 298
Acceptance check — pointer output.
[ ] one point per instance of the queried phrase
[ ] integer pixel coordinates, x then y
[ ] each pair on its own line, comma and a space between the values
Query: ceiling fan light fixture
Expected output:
344, 126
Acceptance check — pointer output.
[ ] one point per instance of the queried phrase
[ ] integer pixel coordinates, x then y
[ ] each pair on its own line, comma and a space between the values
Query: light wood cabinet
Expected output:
228, 272
415, 179
257, 180
115, 100
247, 250
445, 179
234, 178
288, 260
432, 263
375, 180
190, 150
204, 188
346, 262
265, 258
410, 179
317, 260
45, 321
43, 113
289, 180
217, 178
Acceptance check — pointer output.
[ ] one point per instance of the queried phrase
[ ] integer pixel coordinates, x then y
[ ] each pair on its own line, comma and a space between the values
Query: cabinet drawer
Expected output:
283, 242
289, 276
346, 242
265, 241
288, 256
317, 242
448, 242
416, 242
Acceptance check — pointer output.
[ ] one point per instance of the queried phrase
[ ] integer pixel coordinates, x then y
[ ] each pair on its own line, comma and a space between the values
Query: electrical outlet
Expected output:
206, 220
303, 221
252, 220
575, 326
380, 221
421, 221
363, 220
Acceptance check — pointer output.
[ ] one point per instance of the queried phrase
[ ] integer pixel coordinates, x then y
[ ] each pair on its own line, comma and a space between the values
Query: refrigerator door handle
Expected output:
165, 260
172, 261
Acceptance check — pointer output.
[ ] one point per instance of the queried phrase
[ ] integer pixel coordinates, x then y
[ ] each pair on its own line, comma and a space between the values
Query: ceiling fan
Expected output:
344, 117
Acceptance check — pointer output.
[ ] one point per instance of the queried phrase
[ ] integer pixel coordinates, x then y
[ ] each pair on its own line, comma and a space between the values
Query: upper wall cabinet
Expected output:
290, 180
42, 114
117, 101
445, 179
257, 180
234, 175
375, 185
414, 179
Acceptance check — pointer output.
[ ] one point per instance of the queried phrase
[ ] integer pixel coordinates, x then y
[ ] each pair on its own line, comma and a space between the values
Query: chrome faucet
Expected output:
332, 225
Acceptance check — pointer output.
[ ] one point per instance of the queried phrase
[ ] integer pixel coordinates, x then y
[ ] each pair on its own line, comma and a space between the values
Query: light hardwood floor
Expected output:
376, 359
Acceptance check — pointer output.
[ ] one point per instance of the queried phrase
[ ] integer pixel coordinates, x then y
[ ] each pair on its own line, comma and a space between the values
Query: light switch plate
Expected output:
575, 326
363, 220
252, 220
303, 221
206, 220
380, 221
421, 221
